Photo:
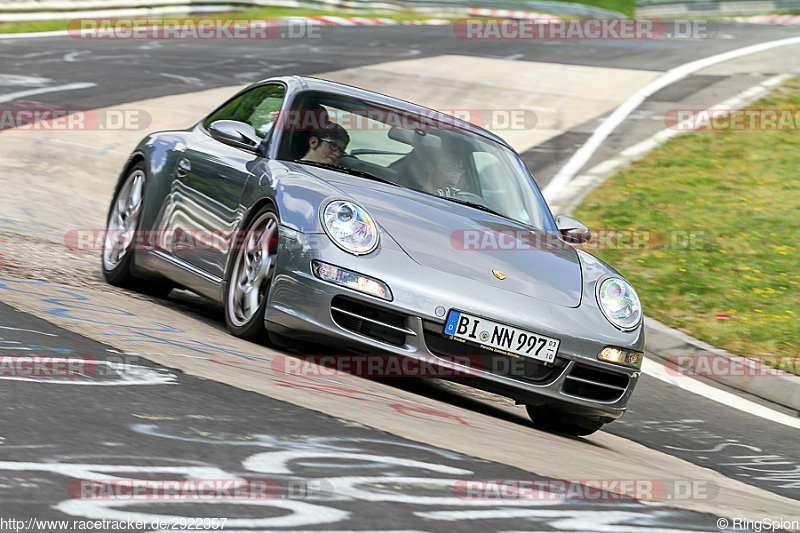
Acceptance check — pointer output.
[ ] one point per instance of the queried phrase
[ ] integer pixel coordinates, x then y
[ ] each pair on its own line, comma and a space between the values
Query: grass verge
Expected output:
727, 203
626, 7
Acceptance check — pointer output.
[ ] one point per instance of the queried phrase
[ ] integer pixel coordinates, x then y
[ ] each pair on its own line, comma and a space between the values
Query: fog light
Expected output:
351, 280
621, 357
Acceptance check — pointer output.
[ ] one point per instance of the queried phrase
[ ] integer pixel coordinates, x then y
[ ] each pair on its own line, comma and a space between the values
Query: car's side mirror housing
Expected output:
572, 231
235, 133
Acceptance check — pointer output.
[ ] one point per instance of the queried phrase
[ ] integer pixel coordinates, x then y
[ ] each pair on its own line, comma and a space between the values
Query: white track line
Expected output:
29, 330
585, 152
580, 186
657, 370
54, 33
55, 88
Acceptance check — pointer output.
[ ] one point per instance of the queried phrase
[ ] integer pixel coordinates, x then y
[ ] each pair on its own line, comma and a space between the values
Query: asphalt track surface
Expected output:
160, 424
187, 422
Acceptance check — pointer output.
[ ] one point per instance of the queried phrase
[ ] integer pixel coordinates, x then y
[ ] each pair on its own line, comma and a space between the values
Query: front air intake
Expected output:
370, 320
594, 384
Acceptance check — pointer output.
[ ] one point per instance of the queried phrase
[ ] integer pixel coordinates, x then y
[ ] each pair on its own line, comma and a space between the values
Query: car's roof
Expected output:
308, 83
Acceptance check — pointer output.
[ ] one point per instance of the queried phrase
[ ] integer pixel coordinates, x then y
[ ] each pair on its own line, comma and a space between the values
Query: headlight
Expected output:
350, 227
620, 303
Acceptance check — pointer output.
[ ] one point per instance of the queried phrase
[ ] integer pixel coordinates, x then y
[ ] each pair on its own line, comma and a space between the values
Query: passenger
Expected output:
327, 145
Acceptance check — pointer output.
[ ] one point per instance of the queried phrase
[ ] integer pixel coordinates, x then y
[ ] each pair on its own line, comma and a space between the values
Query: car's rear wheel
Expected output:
250, 276
552, 419
120, 236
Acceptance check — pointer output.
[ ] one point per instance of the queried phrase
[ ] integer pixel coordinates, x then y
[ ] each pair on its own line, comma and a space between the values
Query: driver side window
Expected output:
258, 107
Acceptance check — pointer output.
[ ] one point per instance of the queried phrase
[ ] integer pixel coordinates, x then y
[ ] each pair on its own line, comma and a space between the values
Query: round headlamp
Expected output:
619, 303
350, 227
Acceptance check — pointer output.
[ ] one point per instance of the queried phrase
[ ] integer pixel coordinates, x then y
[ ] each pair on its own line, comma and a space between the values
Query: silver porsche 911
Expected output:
320, 212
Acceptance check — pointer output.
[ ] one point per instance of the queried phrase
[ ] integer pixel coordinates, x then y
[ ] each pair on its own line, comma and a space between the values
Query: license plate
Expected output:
500, 338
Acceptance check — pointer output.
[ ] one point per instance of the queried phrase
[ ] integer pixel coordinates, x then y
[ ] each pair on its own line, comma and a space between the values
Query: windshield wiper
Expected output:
473, 204
346, 170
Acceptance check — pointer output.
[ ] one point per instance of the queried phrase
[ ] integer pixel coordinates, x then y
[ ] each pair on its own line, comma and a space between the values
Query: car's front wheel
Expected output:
120, 236
251, 276
548, 418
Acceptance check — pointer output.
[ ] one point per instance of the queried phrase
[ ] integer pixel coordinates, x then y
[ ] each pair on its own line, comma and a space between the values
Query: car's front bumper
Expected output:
302, 304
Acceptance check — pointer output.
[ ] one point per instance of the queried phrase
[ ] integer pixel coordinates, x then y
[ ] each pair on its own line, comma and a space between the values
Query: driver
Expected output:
327, 144
445, 175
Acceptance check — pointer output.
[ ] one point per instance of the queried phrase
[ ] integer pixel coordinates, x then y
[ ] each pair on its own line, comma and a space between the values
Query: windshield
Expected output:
425, 153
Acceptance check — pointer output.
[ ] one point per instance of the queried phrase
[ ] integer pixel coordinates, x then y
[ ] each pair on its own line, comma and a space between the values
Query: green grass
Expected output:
33, 26
626, 7
738, 193
254, 14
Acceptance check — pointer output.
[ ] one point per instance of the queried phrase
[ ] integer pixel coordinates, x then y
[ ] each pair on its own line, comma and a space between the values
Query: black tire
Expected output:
117, 254
552, 419
243, 315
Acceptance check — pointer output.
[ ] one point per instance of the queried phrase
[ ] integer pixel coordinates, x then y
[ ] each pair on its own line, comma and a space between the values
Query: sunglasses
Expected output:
335, 147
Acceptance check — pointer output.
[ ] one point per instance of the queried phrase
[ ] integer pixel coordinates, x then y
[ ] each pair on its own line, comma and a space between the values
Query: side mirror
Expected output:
572, 231
236, 134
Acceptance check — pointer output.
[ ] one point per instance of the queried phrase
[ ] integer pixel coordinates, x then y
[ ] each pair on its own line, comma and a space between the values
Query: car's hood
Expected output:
432, 231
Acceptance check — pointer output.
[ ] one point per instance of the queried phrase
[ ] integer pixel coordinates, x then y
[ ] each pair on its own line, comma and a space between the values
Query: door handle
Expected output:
183, 167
